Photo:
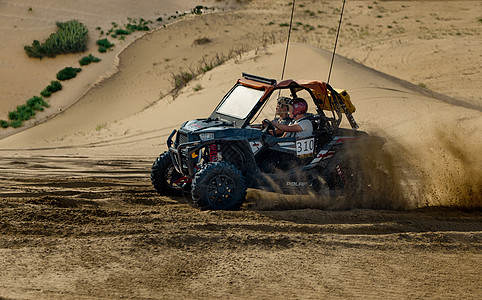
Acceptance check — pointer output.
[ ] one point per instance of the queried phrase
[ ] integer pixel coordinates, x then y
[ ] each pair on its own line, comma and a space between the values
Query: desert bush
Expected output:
37, 103
23, 113
104, 44
122, 32
16, 123
45, 93
88, 59
137, 27
68, 73
71, 37
181, 79
53, 87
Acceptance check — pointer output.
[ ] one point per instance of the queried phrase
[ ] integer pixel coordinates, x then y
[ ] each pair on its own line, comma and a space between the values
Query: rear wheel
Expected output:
343, 174
219, 186
362, 183
164, 176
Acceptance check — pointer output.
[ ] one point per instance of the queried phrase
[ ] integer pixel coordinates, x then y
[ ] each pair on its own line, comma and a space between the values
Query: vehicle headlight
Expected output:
206, 136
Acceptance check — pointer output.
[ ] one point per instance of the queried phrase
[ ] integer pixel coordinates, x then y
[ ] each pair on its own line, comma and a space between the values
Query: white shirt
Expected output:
305, 124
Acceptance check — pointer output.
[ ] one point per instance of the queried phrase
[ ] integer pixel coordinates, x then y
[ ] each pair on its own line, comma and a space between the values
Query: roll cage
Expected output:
322, 94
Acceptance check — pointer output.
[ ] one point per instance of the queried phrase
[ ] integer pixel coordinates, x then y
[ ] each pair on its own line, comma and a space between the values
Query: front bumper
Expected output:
185, 155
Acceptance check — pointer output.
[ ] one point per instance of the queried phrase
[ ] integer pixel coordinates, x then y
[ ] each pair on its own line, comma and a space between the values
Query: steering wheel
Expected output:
268, 127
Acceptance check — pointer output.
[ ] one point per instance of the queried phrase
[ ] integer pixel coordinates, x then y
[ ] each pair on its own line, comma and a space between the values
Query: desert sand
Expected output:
79, 218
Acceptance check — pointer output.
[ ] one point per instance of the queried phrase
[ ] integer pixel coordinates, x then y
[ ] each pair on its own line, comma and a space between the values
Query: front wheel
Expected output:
164, 176
219, 186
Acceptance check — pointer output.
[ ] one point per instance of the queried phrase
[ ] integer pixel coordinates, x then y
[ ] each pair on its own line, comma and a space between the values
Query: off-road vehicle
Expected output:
216, 159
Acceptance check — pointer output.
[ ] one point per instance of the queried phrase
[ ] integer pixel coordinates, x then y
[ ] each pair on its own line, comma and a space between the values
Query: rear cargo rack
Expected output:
259, 79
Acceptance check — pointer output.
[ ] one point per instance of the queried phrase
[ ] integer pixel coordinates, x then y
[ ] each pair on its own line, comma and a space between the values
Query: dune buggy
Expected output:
216, 159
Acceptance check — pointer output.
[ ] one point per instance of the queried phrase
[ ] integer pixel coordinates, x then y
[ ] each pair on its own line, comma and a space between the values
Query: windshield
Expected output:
239, 103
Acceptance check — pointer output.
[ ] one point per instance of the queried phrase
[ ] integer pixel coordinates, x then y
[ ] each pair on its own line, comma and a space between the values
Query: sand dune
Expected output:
79, 216
422, 130
22, 22
433, 134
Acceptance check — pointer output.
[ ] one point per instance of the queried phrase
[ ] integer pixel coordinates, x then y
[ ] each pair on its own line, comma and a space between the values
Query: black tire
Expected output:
343, 174
164, 175
362, 183
219, 186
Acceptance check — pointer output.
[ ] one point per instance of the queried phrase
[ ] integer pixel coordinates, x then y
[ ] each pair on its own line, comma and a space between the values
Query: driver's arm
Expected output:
287, 128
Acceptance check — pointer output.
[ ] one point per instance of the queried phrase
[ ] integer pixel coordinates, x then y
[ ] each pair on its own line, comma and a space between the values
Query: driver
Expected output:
282, 110
300, 126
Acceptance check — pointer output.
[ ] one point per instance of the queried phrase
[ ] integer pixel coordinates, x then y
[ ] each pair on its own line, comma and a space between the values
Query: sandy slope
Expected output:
422, 130
21, 77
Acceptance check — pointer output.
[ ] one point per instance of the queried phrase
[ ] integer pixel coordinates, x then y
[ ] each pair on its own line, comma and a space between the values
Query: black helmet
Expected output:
284, 101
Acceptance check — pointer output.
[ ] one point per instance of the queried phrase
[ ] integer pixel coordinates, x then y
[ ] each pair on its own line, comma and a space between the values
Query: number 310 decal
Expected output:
305, 147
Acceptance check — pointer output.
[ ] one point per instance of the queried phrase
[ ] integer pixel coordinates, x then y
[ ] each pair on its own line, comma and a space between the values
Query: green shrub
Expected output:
16, 123
13, 115
37, 103
181, 79
35, 50
23, 113
137, 25
122, 32
45, 93
54, 86
71, 37
104, 44
88, 59
68, 73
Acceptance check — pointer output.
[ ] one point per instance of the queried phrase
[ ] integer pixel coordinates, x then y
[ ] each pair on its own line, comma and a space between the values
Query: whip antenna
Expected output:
288, 41
336, 41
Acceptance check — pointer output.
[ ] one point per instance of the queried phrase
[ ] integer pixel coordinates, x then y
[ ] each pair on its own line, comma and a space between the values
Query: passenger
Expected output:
300, 126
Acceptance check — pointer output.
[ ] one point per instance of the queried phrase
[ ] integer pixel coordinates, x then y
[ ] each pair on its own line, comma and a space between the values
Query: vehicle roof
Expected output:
316, 86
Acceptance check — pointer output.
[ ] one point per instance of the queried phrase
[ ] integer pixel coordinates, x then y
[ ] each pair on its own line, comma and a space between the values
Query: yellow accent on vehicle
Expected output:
324, 103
